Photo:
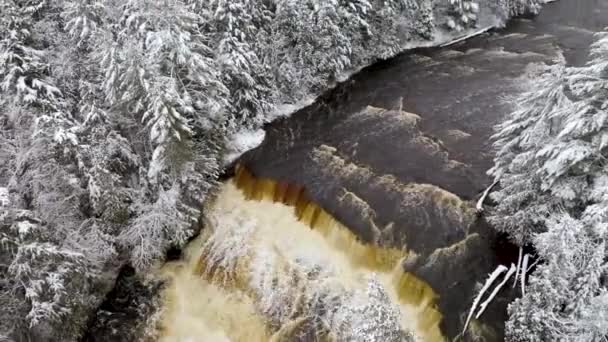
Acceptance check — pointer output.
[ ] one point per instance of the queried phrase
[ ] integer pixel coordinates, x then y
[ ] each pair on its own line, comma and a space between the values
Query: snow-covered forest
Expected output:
551, 164
116, 117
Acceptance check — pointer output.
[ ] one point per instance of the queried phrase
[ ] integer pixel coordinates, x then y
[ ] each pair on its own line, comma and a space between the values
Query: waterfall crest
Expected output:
272, 265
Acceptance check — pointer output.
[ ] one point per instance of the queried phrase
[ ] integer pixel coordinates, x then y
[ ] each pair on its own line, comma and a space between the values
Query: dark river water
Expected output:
411, 180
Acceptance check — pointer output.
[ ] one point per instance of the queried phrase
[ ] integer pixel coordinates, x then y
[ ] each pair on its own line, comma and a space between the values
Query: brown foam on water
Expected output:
198, 310
257, 272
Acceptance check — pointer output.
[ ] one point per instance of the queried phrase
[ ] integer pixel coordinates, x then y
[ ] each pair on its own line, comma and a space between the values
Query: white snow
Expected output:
524, 269
467, 36
286, 109
248, 139
483, 306
24, 227
241, 142
521, 251
479, 205
4, 202
497, 272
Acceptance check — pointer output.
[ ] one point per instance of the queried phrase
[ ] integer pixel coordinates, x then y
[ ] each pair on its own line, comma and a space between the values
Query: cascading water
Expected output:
266, 271
273, 266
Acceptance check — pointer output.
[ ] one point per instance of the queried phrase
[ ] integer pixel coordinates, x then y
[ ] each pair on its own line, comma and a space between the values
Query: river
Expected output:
395, 156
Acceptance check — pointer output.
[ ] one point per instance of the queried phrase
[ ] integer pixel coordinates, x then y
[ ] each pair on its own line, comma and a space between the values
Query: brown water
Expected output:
360, 224
273, 266
399, 152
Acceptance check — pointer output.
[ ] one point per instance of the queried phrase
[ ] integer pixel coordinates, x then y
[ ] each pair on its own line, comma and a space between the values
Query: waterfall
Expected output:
273, 266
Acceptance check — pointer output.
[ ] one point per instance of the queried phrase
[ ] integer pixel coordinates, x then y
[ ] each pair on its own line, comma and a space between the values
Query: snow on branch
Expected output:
483, 306
524, 269
521, 251
485, 194
497, 272
521, 269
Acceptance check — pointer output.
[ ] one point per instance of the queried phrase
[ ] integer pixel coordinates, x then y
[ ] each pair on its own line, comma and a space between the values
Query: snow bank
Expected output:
241, 142
286, 109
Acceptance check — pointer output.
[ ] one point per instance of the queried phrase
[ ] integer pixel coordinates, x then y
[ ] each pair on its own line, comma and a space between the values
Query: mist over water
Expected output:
268, 271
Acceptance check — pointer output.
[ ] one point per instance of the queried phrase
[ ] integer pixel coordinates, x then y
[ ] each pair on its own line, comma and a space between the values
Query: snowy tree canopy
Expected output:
551, 167
115, 116
518, 140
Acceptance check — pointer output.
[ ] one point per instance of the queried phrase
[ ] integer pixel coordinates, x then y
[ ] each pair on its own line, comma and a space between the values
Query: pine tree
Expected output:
23, 68
565, 290
241, 68
552, 172
47, 271
385, 28
160, 69
289, 48
82, 18
554, 145
313, 50
332, 48
522, 204
44, 272
519, 7
464, 14
157, 226
354, 23
580, 146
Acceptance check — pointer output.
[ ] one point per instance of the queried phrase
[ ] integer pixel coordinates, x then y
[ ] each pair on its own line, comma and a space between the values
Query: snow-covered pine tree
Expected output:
160, 71
554, 144
288, 48
240, 66
23, 67
49, 276
393, 22
332, 47
315, 48
559, 140
82, 18
157, 226
30, 85
423, 22
111, 173
579, 150
566, 290
42, 283
355, 24
463, 14
521, 204
519, 7
313, 42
